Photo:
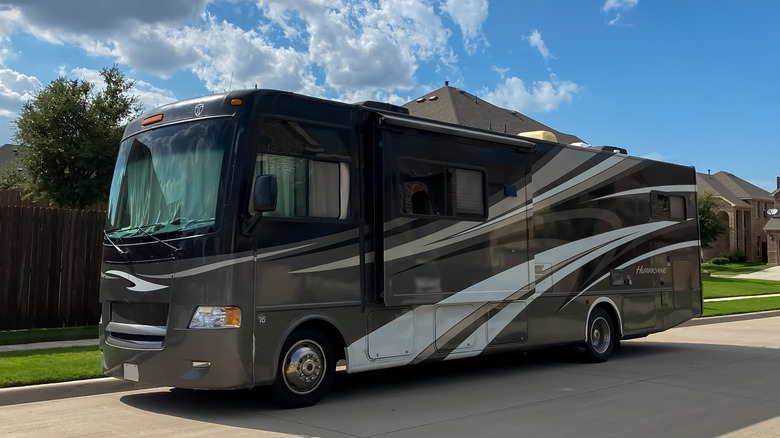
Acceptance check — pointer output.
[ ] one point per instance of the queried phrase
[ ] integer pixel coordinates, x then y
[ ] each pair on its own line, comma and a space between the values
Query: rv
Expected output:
257, 238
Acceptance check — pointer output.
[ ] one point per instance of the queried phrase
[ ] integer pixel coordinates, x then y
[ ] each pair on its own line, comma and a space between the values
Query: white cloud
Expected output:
469, 15
349, 47
235, 58
8, 18
149, 95
535, 40
618, 5
15, 89
158, 50
364, 44
500, 71
543, 96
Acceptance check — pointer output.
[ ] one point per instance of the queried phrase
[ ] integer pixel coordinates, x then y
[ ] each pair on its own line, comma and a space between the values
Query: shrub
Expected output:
720, 260
737, 257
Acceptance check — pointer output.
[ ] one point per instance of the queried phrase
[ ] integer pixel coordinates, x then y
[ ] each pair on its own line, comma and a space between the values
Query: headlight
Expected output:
216, 317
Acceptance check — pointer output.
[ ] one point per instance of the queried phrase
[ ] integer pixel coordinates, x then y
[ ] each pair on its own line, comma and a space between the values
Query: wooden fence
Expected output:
49, 266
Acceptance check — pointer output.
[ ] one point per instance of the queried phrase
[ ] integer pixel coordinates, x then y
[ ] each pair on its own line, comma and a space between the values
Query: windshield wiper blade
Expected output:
118, 249
141, 229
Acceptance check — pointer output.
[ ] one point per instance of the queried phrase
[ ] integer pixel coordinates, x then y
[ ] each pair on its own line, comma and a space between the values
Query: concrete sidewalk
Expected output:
44, 345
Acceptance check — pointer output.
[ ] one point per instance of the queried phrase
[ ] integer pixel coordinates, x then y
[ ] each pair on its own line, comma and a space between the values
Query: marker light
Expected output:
216, 317
152, 119
236, 102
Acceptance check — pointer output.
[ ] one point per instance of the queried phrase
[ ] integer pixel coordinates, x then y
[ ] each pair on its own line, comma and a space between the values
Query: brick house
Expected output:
772, 229
745, 207
8, 156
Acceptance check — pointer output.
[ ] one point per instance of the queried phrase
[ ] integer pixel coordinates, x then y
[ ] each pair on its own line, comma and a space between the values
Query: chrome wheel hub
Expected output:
600, 335
304, 365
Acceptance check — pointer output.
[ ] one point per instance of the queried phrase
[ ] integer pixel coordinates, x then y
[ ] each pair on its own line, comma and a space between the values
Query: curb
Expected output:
61, 390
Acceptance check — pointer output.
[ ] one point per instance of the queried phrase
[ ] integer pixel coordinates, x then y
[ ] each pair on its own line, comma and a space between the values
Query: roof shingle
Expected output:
452, 105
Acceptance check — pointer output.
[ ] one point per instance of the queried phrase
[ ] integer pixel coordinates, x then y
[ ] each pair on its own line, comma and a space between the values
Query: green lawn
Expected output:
733, 268
720, 287
11, 337
19, 368
719, 308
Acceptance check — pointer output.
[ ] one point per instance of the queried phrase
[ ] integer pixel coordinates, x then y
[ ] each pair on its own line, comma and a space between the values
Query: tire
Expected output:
602, 337
305, 369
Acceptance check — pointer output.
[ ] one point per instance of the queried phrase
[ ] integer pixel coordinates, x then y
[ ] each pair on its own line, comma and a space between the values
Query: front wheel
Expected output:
306, 369
601, 336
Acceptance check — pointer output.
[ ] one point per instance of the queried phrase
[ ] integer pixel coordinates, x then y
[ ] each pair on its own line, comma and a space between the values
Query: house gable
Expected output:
452, 105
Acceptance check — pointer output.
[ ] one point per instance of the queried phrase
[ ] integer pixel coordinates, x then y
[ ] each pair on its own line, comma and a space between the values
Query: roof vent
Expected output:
421, 100
433, 97
613, 149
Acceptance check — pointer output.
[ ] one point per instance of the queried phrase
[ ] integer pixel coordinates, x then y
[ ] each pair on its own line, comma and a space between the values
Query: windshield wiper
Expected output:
141, 229
118, 249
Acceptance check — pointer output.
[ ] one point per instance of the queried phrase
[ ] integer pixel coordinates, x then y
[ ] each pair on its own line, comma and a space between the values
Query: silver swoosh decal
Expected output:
139, 285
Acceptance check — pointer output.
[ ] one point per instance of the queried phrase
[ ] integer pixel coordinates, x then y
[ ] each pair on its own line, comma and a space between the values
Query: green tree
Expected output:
711, 224
70, 136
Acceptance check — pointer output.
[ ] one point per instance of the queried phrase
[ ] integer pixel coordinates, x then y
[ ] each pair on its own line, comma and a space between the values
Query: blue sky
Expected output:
691, 82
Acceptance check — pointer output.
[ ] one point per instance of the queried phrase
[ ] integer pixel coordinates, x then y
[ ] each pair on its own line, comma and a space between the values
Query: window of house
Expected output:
442, 190
665, 206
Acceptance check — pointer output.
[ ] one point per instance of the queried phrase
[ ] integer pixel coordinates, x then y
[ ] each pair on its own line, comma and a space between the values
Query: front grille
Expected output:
137, 325
155, 314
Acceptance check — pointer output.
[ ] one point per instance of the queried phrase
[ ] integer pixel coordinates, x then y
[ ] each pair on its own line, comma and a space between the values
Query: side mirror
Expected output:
264, 198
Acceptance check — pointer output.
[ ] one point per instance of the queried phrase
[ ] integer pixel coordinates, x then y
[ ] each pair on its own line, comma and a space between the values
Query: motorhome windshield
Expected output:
166, 180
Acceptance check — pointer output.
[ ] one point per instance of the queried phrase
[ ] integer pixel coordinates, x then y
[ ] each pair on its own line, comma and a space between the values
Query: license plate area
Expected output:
130, 372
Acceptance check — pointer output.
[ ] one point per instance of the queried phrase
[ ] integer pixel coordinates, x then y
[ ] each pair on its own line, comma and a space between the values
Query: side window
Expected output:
442, 190
311, 164
306, 188
664, 206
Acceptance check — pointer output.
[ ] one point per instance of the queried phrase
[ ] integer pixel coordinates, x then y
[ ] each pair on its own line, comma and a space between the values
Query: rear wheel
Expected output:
306, 369
601, 336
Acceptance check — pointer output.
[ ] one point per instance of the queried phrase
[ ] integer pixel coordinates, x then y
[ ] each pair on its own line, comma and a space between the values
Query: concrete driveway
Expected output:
702, 380
772, 273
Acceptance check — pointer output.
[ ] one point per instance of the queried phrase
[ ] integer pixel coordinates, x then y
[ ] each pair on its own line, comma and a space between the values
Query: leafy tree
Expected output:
711, 224
11, 179
70, 136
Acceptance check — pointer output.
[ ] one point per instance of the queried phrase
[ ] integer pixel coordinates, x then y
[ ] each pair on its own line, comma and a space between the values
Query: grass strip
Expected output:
29, 336
31, 367
747, 305
721, 287
733, 268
